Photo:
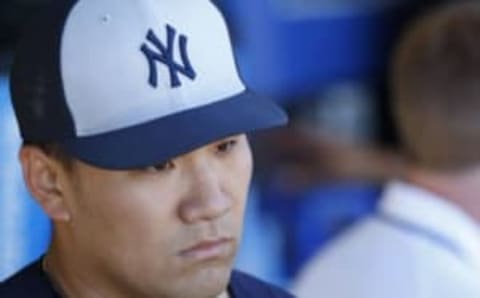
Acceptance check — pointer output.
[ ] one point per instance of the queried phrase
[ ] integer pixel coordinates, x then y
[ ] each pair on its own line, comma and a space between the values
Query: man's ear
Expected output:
42, 175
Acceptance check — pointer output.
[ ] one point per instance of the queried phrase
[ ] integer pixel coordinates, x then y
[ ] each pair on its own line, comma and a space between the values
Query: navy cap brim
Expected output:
168, 137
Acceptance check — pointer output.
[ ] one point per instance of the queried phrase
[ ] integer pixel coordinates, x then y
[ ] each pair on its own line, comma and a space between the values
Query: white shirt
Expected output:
418, 245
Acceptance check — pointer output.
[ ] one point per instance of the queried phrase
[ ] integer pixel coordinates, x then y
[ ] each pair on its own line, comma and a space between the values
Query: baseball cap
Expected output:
123, 84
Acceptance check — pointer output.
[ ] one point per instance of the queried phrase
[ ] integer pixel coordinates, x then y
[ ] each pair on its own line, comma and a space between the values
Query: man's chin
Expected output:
193, 278
210, 281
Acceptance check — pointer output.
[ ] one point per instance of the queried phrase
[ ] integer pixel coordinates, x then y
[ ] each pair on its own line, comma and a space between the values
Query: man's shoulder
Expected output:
366, 249
28, 282
374, 249
243, 285
371, 237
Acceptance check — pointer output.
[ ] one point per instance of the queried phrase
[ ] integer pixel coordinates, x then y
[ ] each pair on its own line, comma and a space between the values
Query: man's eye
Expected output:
162, 167
226, 146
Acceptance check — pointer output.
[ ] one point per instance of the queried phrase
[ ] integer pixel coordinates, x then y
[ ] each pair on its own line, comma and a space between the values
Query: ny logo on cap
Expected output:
164, 55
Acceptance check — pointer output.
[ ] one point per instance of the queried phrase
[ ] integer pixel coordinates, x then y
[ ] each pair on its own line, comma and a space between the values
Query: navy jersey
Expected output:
32, 282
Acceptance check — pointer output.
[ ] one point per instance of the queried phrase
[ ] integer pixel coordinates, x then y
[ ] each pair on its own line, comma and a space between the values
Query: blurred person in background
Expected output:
134, 145
424, 240
349, 42
327, 170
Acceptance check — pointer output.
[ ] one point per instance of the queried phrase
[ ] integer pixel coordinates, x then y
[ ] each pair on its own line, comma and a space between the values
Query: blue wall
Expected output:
24, 229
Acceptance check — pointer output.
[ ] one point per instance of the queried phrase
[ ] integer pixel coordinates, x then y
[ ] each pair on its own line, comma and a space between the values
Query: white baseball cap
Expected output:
123, 84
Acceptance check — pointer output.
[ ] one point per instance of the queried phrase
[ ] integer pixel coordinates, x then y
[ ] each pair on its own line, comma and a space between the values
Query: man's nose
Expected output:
206, 199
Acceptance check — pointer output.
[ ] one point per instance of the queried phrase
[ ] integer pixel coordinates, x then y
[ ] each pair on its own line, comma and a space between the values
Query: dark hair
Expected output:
55, 151
436, 88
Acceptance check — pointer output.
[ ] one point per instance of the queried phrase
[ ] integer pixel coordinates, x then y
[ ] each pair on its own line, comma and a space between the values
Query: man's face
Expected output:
169, 230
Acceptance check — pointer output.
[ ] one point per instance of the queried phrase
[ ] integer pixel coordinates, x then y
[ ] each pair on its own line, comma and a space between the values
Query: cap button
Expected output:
106, 18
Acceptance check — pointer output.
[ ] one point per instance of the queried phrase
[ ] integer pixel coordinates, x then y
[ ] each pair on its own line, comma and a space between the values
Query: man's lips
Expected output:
209, 249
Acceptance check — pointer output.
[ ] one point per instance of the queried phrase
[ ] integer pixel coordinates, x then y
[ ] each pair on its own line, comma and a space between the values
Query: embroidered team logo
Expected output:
156, 52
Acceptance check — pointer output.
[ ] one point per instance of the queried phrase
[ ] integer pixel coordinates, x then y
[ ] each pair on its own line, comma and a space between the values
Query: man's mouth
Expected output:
219, 248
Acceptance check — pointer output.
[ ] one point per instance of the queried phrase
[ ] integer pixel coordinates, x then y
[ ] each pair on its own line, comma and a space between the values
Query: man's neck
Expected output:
66, 283
460, 188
